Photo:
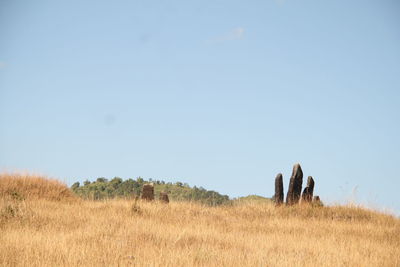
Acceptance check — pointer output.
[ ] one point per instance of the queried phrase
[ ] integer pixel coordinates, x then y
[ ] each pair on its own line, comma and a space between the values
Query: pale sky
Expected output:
219, 94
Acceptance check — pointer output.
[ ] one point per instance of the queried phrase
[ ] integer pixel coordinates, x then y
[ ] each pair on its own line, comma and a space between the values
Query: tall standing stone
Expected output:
148, 192
295, 184
308, 192
278, 189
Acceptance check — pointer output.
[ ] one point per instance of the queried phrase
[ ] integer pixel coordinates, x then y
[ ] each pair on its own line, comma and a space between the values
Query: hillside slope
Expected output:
124, 233
41, 226
29, 187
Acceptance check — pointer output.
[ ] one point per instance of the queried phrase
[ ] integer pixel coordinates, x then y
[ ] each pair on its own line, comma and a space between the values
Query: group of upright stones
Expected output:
148, 194
294, 195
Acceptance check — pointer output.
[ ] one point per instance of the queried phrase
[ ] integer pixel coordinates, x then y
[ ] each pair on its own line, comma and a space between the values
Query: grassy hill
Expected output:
119, 188
39, 230
252, 199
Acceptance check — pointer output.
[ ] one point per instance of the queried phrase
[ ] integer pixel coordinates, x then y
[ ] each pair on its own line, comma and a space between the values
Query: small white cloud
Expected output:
235, 34
2, 64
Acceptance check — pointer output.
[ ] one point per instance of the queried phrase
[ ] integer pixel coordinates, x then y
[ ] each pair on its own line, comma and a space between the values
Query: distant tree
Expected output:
75, 186
101, 180
115, 182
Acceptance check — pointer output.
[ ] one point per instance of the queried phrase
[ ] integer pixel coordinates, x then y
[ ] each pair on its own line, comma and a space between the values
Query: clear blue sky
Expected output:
219, 94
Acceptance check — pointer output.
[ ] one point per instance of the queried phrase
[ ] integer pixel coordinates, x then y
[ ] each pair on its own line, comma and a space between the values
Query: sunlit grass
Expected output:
51, 232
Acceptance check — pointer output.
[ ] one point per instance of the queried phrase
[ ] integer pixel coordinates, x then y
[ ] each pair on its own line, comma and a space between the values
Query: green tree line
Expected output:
103, 188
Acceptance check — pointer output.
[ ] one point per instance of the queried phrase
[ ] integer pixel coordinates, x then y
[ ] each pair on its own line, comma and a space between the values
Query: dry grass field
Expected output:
43, 224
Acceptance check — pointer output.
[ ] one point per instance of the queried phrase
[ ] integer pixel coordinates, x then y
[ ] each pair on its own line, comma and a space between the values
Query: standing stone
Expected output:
295, 184
317, 201
308, 191
164, 197
148, 192
278, 189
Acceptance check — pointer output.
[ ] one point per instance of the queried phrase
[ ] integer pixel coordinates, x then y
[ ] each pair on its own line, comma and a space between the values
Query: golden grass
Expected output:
17, 186
119, 233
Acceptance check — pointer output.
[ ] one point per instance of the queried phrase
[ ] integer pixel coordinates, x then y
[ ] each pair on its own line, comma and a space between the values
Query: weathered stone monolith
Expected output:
295, 184
164, 197
148, 192
307, 195
278, 189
